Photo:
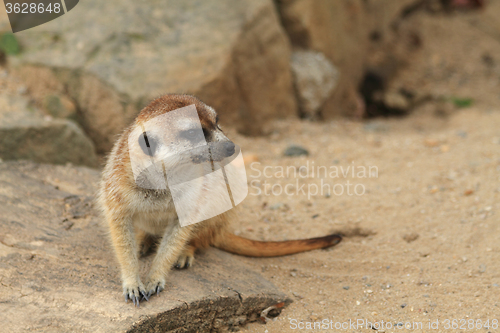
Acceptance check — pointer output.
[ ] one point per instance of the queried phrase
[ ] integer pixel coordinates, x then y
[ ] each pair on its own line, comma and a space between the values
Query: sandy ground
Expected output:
421, 241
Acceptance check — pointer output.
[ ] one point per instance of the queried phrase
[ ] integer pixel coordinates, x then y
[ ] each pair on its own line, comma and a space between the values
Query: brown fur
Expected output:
134, 215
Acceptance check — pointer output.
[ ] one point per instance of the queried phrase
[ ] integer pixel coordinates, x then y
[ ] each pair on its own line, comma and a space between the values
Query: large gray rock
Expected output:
25, 133
341, 29
113, 57
315, 78
58, 273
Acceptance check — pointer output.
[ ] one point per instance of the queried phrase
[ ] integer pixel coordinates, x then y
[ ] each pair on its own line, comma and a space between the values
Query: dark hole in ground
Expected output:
373, 89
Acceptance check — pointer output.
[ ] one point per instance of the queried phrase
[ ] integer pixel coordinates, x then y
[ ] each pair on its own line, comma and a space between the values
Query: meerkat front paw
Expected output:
155, 285
186, 258
134, 291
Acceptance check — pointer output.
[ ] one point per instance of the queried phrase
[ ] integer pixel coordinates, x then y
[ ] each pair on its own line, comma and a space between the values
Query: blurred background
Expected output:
68, 87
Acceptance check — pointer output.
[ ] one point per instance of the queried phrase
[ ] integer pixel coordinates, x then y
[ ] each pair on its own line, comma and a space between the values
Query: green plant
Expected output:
9, 44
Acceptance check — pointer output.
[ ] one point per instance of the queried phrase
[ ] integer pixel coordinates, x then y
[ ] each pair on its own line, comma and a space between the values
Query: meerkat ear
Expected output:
148, 144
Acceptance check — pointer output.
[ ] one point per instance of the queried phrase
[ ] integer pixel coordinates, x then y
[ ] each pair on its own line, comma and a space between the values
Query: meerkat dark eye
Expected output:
148, 144
217, 123
207, 135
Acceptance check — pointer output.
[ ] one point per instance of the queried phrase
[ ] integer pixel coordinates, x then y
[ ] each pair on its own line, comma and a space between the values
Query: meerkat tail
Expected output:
252, 248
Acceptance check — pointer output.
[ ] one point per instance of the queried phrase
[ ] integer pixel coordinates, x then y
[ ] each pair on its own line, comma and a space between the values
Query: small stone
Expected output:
346, 287
468, 192
495, 285
22, 90
294, 150
376, 126
482, 268
277, 206
431, 143
411, 237
462, 134
358, 303
403, 305
293, 274
315, 216
396, 100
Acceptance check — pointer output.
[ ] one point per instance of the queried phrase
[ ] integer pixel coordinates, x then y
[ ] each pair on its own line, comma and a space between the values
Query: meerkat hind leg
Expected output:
186, 258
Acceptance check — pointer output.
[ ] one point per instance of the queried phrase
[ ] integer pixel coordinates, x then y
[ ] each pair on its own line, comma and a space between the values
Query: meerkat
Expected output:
137, 214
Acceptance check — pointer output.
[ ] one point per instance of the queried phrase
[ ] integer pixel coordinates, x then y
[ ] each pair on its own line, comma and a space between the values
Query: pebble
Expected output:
293, 274
462, 134
294, 150
495, 285
411, 237
482, 268
22, 90
468, 192
403, 305
431, 143
375, 126
346, 287
277, 206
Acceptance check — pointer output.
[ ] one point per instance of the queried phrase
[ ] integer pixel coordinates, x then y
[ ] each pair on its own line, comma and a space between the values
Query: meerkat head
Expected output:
176, 134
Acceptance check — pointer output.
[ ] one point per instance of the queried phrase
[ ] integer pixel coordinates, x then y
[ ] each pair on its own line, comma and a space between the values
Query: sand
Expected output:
421, 245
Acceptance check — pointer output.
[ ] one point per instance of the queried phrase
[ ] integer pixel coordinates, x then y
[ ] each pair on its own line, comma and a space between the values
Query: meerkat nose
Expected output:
229, 147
